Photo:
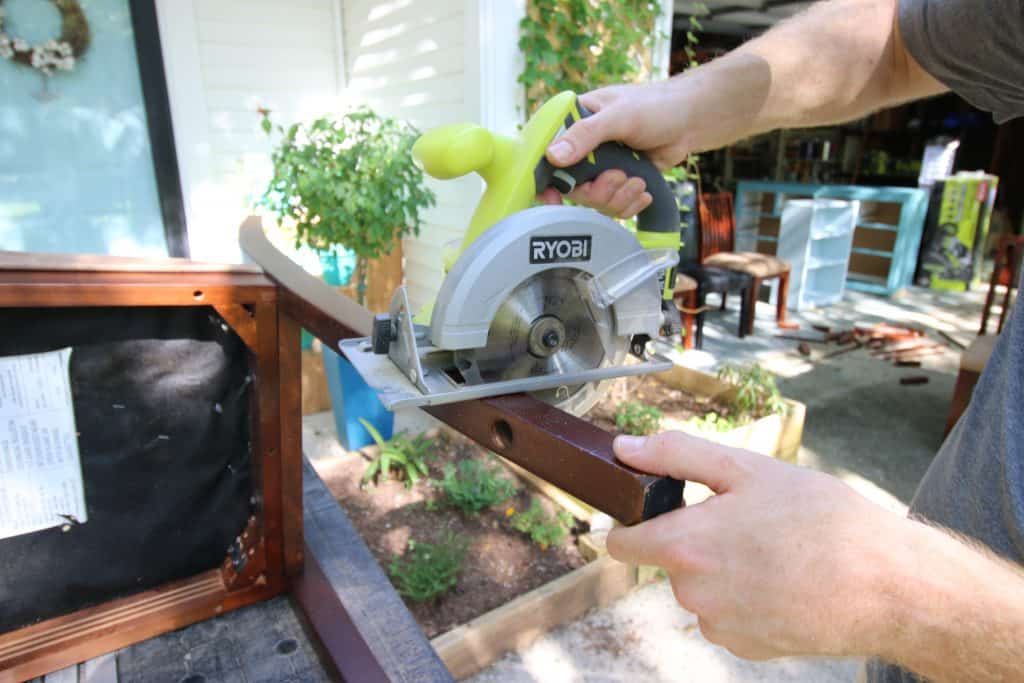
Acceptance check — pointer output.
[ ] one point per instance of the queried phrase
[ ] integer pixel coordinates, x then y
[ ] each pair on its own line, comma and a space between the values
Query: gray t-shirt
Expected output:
975, 47
975, 485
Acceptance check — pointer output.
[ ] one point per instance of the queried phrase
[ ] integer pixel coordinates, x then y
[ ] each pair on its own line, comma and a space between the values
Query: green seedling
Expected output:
714, 422
756, 392
406, 457
637, 419
543, 529
473, 486
428, 570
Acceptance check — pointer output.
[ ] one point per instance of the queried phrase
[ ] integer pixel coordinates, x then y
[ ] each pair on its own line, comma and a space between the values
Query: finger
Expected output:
685, 457
581, 138
625, 196
655, 541
603, 188
550, 196
641, 203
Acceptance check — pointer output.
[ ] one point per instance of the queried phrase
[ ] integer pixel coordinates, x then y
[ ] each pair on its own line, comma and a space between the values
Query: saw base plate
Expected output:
395, 390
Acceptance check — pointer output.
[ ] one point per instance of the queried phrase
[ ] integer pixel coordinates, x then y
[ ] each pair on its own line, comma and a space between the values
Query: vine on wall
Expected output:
585, 44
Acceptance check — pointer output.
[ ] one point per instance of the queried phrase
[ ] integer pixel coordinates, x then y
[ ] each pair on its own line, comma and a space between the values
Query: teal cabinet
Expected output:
886, 240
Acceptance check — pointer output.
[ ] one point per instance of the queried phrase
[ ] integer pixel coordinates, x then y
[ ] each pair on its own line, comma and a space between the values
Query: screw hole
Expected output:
501, 434
286, 646
197, 295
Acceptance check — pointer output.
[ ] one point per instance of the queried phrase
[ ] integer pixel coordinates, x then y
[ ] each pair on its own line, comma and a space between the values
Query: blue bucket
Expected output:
352, 398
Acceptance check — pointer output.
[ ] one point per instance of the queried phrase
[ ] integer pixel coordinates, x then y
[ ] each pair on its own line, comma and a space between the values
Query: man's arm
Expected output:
788, 561
836, 61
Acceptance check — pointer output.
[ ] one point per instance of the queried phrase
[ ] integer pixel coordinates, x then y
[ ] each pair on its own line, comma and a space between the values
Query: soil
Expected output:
675, 405
501, 563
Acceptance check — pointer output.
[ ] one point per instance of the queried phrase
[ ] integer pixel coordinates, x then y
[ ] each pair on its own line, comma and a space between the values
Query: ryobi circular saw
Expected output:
550, 300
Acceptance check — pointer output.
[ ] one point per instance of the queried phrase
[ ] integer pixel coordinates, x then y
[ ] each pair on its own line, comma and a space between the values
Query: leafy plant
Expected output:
473, 486
637, 419
584, 44
428, 570
542, 528
407, 457
757, 394
714, 422
348, 181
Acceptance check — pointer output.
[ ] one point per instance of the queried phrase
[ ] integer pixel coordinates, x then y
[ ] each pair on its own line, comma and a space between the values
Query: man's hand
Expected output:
788, 561
636, 116
834, 62
782, 561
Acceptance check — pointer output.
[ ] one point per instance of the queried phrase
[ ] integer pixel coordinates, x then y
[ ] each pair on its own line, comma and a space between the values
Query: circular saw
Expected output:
549, 300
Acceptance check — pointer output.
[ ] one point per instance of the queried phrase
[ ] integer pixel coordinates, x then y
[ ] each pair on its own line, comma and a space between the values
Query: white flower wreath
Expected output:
56, 54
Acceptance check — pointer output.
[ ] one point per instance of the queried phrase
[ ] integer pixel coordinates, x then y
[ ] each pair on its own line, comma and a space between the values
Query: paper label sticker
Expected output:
40, 469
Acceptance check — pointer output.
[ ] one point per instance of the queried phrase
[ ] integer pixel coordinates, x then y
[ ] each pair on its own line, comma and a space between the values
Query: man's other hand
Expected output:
782, 561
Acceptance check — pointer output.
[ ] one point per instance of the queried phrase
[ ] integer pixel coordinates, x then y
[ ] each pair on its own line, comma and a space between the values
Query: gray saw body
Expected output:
551, 300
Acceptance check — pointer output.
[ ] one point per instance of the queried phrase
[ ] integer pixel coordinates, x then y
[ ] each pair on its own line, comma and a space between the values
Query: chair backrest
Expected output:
717, 224
1006, 269
689, 230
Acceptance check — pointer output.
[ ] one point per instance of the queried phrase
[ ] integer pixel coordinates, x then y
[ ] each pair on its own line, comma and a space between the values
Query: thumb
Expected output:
580, 139
684, 457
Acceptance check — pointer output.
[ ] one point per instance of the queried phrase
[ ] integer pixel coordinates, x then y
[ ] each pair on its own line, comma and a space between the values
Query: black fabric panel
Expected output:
161, 398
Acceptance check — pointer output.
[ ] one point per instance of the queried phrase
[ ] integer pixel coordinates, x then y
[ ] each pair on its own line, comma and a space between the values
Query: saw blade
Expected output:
544, 327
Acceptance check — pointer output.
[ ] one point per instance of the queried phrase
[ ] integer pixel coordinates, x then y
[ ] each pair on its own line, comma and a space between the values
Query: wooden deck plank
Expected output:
261, 643
101, 669
68, 675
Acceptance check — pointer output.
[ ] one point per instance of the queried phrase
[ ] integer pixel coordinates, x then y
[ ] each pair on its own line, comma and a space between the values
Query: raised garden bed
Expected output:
510, 589
683, 394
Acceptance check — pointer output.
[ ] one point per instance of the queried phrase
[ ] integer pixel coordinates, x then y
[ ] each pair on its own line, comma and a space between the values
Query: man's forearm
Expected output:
837, 61
955, 612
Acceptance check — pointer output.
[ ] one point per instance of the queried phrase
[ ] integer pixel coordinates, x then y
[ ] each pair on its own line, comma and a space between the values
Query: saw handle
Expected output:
662, 216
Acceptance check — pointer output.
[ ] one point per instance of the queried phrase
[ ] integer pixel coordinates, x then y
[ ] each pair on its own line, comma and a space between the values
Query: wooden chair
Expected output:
1005, 272
708, 279
717, 247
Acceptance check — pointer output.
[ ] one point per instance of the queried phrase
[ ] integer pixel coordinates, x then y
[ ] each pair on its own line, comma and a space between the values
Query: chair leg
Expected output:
744, 305
724, 297
690, 302
782, 301
698, 340
962, 391
755, 287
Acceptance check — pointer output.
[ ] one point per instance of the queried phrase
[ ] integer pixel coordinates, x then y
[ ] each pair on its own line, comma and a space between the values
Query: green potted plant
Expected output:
348, 182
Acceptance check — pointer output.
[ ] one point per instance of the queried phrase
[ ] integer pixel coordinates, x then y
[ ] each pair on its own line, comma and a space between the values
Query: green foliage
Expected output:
349, 181
757, 394
584, 44
713, 422
428, 570
635, 418
474, 486
406, 457
542, 528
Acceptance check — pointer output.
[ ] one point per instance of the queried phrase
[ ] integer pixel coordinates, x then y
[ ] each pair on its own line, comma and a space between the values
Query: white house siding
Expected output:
224, 59
406, 58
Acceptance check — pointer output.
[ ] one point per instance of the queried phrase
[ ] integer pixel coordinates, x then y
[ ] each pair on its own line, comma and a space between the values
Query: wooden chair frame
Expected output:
273, 540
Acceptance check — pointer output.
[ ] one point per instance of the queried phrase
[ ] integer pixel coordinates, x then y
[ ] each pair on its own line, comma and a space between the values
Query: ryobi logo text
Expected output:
560, 249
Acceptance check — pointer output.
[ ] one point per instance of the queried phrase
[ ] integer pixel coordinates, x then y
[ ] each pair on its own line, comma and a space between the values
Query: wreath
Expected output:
57, 53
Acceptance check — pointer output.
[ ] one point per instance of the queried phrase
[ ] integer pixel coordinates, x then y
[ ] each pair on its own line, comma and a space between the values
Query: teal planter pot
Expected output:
352, 398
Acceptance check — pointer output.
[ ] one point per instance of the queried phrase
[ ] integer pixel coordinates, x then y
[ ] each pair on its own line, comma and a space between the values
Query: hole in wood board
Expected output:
197, 295
501, 435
